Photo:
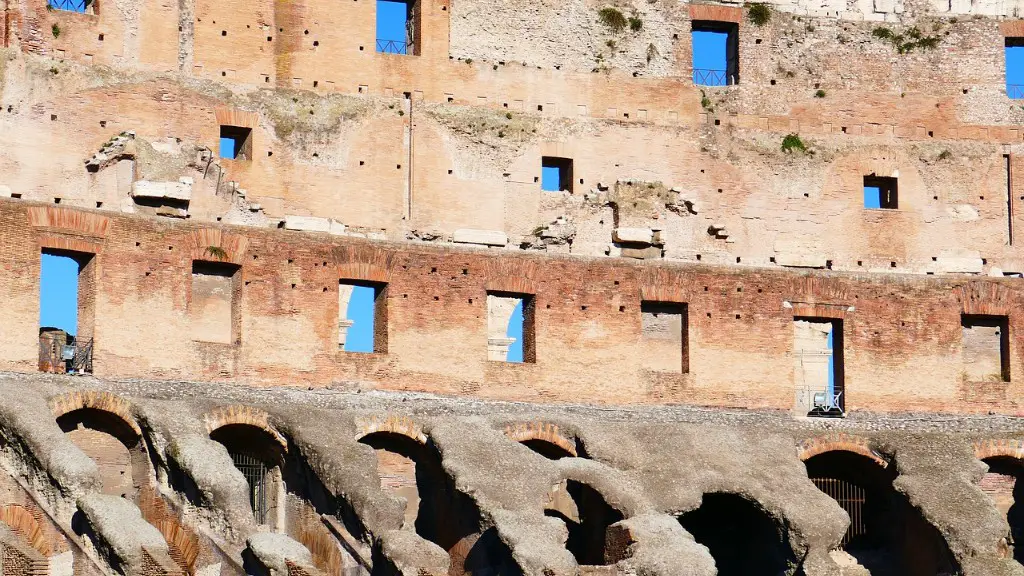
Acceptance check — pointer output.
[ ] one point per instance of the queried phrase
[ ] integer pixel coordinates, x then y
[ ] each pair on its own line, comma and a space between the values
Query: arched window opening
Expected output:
742, 537
549, 450
258, 456
886, 534
118, 451
587, 516
1003, 484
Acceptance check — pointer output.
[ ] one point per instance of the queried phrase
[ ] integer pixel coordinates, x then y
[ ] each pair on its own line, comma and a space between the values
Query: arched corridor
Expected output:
587, 516
1003, 484
258, 456
887, 536
114, 445
742, 537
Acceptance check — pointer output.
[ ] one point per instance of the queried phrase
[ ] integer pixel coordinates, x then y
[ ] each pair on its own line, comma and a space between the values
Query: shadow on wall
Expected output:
742, 537
887, 536
435, 509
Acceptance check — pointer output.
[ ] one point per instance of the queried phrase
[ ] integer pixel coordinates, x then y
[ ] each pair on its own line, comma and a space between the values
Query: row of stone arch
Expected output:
887, 535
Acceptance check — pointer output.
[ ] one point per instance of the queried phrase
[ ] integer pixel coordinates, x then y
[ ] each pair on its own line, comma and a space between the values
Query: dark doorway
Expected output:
1003, 484
887, 536
742, 537
587, 516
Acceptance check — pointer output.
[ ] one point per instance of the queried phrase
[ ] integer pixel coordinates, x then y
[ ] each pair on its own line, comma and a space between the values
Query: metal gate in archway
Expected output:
851, 497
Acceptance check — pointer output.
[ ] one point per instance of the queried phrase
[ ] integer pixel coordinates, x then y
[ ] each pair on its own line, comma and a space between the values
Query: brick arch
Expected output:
244, 415
95, 400
841, 442
546, 431
511, 275
1005, 447
363, 263
401, 425
23, 523
981, 297
231, 247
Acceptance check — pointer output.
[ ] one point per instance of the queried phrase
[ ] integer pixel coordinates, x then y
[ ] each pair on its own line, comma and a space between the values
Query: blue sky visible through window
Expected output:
1015, 71
515, 330
360, 311
831, 362
70, 5
227, 148
872, 198
550, 178
709, 54
58, 293
391, 22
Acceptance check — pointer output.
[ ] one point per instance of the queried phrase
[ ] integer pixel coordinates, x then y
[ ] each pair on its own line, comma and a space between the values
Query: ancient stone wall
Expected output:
903, 338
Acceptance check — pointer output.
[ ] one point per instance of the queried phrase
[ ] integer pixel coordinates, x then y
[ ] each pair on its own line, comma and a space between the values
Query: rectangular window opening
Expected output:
214, 314
716, 49
510, 327
881, 192
556, 174
362, 317
80, 6
986, 348
818, 352
665, 336
236, 143
398, 27
1014, 57
67, 310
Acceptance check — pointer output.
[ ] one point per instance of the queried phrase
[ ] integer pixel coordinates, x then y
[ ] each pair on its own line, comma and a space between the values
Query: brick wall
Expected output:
903, 335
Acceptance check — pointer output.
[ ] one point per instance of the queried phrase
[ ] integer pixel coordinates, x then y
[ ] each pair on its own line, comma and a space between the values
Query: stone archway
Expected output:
1003, 483
114, 444
887, 535
587, 517
743, 538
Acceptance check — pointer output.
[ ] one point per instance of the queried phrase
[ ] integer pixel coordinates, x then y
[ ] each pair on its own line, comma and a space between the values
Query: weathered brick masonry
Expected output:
903, 334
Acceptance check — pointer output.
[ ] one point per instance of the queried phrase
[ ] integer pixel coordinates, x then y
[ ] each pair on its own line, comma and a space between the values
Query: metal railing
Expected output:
851, 498
393, 46
709, 77
81, 6
58, 356
255, 472
1015, 91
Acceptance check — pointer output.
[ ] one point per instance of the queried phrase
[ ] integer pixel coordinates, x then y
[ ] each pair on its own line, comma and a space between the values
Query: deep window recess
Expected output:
986, 348
362, 316
1014, 54
510, 327
67, 299
398, 27
556, 174
235, 143
664, 336
716, 49
818, 353
880, 192
213, 307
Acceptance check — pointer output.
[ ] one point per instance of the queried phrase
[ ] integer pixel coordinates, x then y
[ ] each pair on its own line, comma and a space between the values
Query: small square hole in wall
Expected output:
986, 348
664, 335
880, 192
235, 142
556, 174
362, 316
510, 327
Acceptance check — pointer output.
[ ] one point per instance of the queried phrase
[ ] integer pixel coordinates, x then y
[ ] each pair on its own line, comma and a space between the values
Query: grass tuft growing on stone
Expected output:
793, 142
613, 19
759, 14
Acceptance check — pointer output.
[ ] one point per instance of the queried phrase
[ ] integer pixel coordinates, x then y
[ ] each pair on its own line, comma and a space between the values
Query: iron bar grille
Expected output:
851, 497
392, 46
53, 359
255, 472
70, 5
707, 77
1015, 91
